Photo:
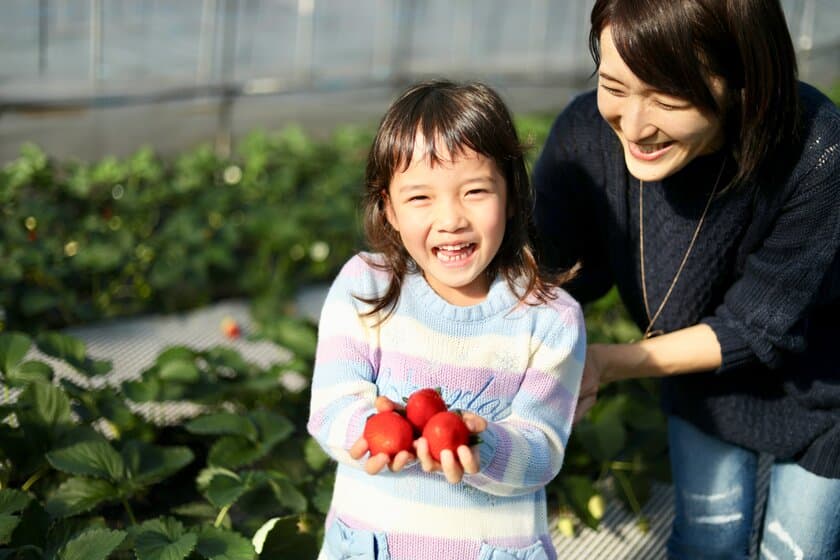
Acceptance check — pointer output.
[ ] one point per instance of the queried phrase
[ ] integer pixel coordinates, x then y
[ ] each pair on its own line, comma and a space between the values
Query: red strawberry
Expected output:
230, 328
445, 430
422, 405
388, 432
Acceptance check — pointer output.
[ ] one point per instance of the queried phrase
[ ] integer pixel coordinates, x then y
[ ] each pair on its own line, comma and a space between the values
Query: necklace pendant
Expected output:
653, 334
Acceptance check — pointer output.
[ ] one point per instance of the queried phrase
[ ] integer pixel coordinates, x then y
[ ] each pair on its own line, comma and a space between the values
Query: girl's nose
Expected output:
450, 217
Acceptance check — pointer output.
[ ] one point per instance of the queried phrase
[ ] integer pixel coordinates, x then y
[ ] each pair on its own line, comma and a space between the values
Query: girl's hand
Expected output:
454, 468
376, 463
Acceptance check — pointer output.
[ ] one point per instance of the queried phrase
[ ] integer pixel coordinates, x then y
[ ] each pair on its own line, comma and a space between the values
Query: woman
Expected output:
704, 181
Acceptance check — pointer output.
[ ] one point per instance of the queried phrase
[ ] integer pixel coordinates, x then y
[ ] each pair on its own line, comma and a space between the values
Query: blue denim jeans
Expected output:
715, 493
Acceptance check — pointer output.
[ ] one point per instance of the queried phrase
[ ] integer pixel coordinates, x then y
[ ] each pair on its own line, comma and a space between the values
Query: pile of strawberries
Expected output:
426, 415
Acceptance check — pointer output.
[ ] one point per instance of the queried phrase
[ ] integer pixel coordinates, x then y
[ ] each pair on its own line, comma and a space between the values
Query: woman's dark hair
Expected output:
452, 118
676, 46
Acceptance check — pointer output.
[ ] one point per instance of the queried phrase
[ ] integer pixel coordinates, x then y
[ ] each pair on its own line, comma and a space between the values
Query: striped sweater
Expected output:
518, 366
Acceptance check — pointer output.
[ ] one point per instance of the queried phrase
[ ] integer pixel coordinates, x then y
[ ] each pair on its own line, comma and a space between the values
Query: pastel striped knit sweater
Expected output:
518, 366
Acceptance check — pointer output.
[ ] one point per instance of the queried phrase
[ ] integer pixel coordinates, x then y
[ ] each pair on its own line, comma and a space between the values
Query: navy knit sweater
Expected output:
764, 273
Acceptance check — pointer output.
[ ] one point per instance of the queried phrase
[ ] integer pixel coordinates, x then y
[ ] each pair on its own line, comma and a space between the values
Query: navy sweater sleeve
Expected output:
764, 312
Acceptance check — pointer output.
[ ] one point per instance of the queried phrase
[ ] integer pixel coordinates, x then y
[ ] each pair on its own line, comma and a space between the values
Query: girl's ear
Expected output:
389, 210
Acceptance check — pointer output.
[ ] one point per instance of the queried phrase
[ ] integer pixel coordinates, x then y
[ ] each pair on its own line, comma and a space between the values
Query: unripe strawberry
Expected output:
388, 432
422, 405
445, 430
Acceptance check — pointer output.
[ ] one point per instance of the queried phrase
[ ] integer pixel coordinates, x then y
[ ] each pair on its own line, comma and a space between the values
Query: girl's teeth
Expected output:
452, 253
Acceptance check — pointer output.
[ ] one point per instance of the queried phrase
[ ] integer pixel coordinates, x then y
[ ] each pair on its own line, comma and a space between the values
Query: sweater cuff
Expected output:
734, 350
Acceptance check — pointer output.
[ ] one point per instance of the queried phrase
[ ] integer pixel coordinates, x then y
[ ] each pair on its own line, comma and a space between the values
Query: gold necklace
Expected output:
649, 332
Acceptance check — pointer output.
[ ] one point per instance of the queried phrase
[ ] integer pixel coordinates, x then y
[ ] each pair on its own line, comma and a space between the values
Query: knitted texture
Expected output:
764, 273
518, 366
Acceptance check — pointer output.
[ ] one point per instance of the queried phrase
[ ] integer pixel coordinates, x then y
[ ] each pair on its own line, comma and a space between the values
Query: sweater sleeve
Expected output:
343, 389
764, 313
568, 217
524, 451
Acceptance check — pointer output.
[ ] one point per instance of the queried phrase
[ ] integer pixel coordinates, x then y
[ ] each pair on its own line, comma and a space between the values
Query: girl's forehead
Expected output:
435, 151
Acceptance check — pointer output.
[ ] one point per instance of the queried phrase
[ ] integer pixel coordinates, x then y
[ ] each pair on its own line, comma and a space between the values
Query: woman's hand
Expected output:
377, 462
454, 468
591, 381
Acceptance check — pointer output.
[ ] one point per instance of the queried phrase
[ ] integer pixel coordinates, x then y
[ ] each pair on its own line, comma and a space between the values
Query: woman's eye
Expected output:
418, 198
669, 105
476, 192
611, 90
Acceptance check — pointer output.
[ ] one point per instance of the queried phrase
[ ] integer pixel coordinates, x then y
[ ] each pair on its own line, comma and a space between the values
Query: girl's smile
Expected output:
451, 219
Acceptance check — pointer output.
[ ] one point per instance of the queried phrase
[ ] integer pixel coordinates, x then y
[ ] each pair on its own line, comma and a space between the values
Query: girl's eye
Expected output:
418, 198
475, 192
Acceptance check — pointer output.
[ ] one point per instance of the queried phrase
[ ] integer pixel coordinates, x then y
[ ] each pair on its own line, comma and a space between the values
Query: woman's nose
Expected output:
635, 121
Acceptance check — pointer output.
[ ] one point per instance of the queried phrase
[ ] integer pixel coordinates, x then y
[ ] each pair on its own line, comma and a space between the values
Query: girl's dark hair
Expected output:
451, 117
676, 46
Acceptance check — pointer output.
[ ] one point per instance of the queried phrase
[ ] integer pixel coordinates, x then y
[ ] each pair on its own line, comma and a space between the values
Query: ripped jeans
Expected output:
715, 493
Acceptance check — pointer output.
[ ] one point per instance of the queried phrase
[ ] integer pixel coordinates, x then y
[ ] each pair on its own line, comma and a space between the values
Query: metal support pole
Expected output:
206, 41
805, 40
224, 130
305, 41
43, 21
96, 36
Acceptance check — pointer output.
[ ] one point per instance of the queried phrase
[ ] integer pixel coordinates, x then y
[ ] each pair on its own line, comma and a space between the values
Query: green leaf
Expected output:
180, 371
78, 495
44, 414
603, 439
145, 390
287, 539
148, 464
31, 371
175, 354
13, 348
164, 539
323, 492
219, 544
91, 458
96, 544
61, 346
234, 452
7, 526
62, 531
12, 504
273, 428
315, 455
286, 493
13, 501
222, 487
297, 335
223, 423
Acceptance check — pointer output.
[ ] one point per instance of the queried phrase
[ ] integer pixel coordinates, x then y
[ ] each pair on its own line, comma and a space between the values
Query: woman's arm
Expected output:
690, 350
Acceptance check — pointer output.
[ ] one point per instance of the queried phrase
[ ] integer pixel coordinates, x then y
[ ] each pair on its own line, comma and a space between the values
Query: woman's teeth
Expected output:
650, 148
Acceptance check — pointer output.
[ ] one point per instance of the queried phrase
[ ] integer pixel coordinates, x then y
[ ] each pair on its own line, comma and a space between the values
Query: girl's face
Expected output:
451, 219
660, 133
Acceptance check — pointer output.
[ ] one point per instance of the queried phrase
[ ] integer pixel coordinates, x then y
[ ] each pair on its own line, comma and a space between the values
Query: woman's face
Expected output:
660, 133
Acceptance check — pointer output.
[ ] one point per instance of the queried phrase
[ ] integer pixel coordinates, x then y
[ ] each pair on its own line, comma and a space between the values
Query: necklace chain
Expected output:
649, 332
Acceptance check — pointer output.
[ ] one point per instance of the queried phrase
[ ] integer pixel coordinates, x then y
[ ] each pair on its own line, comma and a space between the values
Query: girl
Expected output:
451, 298
718, 176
